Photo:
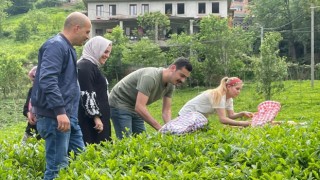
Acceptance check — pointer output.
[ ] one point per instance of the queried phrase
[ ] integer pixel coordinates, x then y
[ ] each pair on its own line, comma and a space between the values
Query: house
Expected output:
70, 1
240, 11
107, 14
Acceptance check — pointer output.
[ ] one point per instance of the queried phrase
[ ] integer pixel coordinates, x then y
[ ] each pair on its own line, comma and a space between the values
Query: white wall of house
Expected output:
123, 8
99, 12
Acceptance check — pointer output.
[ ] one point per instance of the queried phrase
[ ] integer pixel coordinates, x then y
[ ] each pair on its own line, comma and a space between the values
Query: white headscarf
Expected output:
94, 49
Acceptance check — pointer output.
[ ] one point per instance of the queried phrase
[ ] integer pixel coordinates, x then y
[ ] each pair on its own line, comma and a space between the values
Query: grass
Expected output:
12, 121
299, 102
51, 24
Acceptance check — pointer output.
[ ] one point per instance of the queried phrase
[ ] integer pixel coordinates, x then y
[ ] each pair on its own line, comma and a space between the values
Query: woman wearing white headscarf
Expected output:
94, 110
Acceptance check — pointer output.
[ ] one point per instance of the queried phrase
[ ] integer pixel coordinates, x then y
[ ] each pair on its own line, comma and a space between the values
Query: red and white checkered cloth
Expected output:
267, 111
187, 123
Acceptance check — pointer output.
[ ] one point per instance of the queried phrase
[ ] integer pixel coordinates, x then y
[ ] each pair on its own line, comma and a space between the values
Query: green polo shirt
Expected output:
147, 81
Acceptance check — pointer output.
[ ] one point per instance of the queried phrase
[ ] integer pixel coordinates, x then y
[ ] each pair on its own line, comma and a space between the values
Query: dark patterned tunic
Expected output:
93, 102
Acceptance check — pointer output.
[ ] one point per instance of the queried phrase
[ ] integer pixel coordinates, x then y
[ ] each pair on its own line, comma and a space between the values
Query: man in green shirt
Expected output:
129, 97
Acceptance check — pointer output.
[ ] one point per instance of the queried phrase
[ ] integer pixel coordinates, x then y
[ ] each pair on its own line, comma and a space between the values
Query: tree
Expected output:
152, 23
184, 45
4, 4
10, 74
35, 18
290, 17
57, 22
47, 3
22, 32
179, 45
20, 7
144, 53
221, 49
270, 70
114, 69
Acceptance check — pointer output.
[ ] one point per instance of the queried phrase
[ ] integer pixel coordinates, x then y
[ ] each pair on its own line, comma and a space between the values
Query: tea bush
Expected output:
220, 152
217, 152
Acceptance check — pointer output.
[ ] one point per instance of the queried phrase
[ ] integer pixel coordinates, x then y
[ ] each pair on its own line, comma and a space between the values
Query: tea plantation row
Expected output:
218, 152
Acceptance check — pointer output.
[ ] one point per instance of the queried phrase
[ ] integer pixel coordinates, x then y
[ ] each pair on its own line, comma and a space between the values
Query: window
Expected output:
144, 8
128, 31
99, 32
180, 8
133, 9
202, 8
238, 8
180, 30
112, 10
99, 10
168, 9
215, 7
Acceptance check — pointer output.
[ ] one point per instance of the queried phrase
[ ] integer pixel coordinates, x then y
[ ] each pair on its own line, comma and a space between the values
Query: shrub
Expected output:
47, 3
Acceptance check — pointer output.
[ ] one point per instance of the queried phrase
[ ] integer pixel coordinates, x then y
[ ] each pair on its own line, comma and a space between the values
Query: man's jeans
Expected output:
58, 143
126, 122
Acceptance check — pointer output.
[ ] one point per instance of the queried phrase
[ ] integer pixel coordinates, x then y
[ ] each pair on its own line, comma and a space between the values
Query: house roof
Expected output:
114, 1
86, 1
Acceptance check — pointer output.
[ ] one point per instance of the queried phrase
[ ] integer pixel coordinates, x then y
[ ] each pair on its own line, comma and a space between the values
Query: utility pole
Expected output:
156, 32
312, 45
261, 40
261, 34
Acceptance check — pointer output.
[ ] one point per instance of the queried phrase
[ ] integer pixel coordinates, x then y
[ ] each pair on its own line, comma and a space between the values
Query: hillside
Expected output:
40, 24
22, 36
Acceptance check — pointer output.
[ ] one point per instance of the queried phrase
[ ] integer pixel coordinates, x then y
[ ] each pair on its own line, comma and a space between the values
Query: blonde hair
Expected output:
221, 90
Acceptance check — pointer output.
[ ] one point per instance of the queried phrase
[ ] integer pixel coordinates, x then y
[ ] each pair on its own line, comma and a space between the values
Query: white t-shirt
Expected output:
202, 104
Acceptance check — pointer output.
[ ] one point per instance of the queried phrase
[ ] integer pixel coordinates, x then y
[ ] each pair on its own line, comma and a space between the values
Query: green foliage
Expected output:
35, 19
198, 76
43, 23
20, 6
31, 29
219, 152
153, 22
270, 70
22, 32
291, 18
302, 71
4, 4
144, 53
79, 5
27, 159
57, 22
180, 45
221, 49
11, 72
47, 3
36, 27
114, 68
11, 115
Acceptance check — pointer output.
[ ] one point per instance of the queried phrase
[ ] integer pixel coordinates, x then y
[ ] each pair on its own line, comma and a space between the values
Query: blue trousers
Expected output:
58, 144
126, 122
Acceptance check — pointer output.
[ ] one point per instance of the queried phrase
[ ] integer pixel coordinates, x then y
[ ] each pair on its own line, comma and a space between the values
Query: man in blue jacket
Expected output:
56, 93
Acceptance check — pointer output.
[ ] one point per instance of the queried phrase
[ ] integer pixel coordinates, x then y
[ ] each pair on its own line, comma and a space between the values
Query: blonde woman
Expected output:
219, 100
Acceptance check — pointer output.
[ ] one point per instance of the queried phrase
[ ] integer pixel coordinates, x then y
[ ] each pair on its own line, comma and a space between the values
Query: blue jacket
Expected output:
56, 90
